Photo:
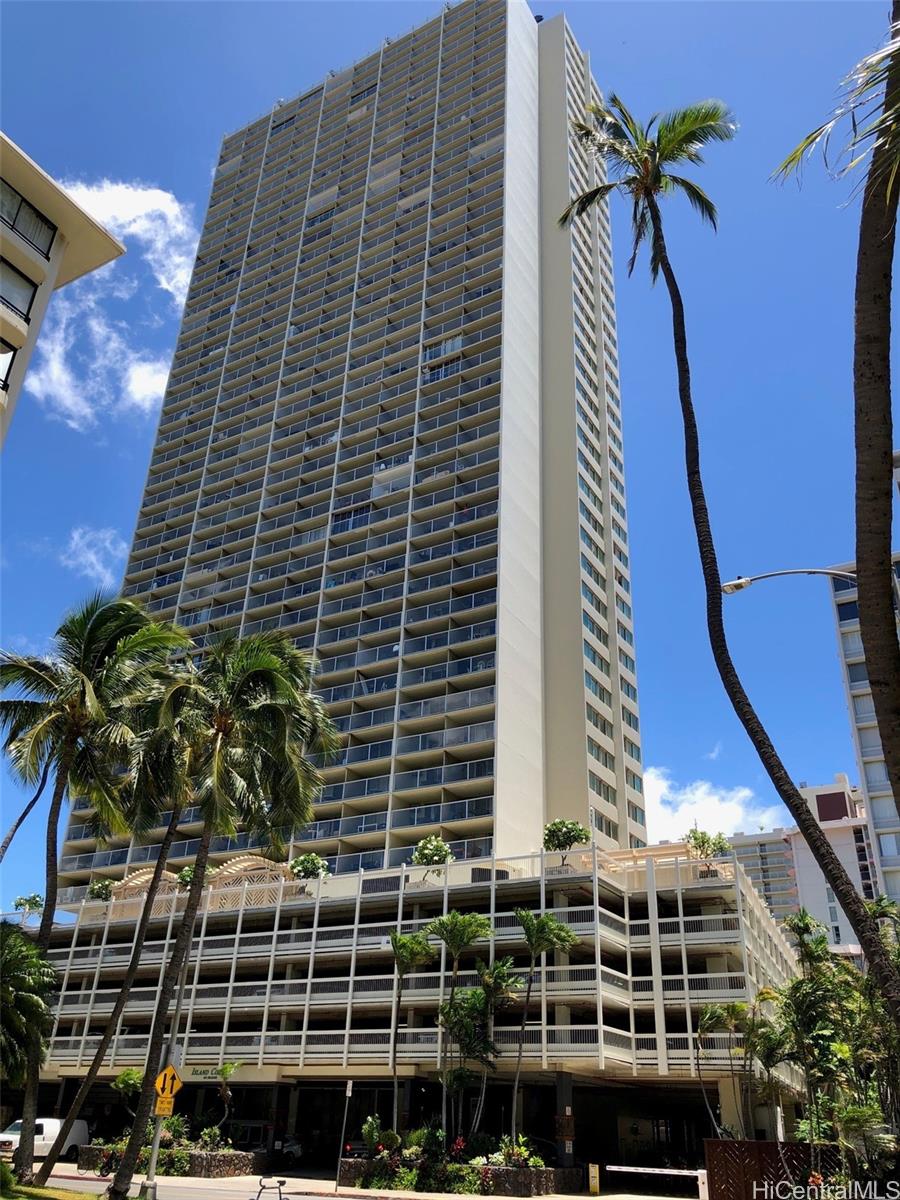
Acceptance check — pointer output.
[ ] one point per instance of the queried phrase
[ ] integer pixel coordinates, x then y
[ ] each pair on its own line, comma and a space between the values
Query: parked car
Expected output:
45, 1131
291, 1152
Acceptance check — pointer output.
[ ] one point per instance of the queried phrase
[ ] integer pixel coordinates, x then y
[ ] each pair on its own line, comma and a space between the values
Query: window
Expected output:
17, 291
856, 673
28, 223
604, 824
848, 611
7, 357
636, 813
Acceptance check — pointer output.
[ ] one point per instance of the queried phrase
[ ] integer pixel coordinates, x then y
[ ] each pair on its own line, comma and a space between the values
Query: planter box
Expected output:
202, 1164
505, 1181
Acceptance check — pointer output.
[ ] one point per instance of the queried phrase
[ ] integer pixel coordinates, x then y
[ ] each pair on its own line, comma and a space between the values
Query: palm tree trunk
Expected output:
118, 1189
717, 1132
14, 828
112, 1024
396, 1029
864, 926
24, 1156
515, 1093
874, 437
453, 976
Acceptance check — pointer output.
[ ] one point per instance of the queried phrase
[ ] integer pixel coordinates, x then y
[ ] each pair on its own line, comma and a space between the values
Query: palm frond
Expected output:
683, 132
587, 200
699, 200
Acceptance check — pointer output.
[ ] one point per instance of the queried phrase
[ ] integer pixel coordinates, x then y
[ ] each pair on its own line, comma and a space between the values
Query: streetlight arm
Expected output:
744, 581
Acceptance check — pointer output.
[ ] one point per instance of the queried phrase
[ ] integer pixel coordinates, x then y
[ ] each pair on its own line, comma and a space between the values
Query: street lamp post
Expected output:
744, 581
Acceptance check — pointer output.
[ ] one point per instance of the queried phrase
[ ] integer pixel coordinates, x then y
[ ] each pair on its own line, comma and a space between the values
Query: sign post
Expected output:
347, 1094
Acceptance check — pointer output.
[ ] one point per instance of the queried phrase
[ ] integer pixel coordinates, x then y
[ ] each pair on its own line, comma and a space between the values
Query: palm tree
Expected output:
410, 950
26, 982
23, 815
457, 931
708, 1020
638, 158
69, 712
543, 935
872, 105
500, 983
242, 724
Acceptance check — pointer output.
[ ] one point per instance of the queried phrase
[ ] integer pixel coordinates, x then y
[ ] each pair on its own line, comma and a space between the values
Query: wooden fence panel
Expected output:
738, 1170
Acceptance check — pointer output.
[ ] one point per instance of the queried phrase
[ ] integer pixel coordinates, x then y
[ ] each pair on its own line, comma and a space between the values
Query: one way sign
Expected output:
168, 1082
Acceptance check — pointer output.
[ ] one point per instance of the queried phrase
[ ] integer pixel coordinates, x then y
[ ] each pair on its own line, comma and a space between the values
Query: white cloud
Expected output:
714, 753
161, 226
95, 553
672, 809
87, 362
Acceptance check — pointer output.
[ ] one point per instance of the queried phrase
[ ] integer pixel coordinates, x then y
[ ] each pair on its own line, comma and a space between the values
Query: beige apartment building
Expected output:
46, 241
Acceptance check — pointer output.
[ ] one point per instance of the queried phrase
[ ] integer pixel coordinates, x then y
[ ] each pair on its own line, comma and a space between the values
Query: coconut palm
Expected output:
26, 982
871, 106
23, 815
709, 1020
457, 931
639, 161
410, 950
544, 934
242, 724
71, 712
499, 982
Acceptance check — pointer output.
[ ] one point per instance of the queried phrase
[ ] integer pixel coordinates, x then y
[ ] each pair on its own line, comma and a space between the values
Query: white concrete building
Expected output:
393, 427
782, 867
46, 241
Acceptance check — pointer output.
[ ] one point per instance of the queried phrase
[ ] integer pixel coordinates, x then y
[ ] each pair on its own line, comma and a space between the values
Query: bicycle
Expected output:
270, 1187
107, 1164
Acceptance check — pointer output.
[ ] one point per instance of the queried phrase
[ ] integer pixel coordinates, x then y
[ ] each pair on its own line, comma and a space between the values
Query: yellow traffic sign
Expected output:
168, 1082
165, 1106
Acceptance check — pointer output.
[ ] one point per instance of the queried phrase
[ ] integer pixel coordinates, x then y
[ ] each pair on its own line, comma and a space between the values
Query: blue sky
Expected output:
129, 102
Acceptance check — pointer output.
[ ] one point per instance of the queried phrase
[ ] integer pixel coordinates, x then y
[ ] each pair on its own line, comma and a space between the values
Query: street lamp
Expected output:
744, 581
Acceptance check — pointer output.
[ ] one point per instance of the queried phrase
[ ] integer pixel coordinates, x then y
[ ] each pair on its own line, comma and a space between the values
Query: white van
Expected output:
45, 1131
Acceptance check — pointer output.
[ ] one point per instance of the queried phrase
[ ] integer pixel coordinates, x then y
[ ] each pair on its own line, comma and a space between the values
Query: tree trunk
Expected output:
109, 1031
717, 1132
118, 1189
515, 1094
14, 828
453, 976
396, 1125
864, 926
874, 437
24, 1156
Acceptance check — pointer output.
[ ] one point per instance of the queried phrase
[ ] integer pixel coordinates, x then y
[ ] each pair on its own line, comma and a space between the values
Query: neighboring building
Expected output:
295, 980
788, 878
393, 428
46, 241
884, 822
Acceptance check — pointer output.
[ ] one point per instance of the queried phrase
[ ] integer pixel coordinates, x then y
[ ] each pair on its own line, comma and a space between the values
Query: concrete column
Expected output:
565, 1119
729, 1104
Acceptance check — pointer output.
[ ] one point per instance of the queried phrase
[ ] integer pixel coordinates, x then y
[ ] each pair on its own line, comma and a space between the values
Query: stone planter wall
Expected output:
202, 1164
505, 1181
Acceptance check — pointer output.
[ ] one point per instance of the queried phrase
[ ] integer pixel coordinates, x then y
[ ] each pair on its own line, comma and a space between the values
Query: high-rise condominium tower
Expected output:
392, 428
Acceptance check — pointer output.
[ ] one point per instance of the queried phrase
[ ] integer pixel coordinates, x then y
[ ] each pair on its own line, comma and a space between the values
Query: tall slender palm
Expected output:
242, 725
410, 950
24, 814
871, 104
544, 934
26, 983
500, 982
708, 1020
639, 159
457, 931
69, 711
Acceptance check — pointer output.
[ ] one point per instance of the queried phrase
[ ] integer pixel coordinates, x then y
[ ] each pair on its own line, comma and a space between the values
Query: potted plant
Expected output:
706, 846
562, 835
432, 851
100, 889
309, 866
26, 905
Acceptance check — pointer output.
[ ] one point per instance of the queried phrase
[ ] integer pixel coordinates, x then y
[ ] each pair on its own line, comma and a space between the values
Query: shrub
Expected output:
415, 1138
432, 851
7, 1179
434, 1143
562, 835
514, 1153
371, 1133
177, 1127
100, 889
462, 1179
186, 875
32, 903
211, 1138
309, 866
481, 1145
407, 1179
174, 1162
389, 1140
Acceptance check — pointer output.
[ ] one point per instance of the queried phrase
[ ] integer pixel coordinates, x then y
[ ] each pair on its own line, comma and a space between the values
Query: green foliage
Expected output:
26, 982
32, 903
706, 845
458, 931
410, 950
406, 1179
562, 835
544, 933
7, 1179
309, 866
371, 1133
390, 1141
100, 889
212, 1138
175, 1129
516, 1152
432, 851
128, 1082
186, 875
416, 1138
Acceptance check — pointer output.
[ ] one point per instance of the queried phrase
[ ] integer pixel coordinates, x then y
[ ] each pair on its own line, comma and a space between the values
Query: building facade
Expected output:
295, 980
884, 822
784, 872
393, 428
46, 241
